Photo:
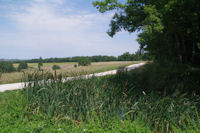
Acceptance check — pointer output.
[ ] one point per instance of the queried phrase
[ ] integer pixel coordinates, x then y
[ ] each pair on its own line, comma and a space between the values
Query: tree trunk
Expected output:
180, 56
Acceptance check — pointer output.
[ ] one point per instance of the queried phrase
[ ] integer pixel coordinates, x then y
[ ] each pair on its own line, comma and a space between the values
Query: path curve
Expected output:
17, 86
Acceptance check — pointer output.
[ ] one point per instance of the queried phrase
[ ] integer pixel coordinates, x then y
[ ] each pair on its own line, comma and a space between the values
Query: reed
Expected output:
104, 99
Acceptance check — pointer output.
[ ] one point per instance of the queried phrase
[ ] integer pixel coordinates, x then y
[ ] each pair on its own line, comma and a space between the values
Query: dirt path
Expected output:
17, 86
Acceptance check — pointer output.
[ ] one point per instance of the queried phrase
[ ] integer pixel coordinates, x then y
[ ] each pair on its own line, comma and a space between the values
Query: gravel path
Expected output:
17, 86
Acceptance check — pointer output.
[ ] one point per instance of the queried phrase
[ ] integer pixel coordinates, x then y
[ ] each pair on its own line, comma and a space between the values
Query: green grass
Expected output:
149, 99
67, 69
16, 119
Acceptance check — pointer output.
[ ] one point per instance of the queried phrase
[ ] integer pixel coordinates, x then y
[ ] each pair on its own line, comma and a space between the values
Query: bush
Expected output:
22, 65
75, 65
56, 67
40, 63
84, 62
6, 67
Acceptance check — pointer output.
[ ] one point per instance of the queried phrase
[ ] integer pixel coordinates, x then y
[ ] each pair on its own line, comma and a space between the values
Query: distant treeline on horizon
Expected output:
73, 59
124, 57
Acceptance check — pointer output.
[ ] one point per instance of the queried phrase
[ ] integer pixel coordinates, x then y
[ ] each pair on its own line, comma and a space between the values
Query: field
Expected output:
67, 69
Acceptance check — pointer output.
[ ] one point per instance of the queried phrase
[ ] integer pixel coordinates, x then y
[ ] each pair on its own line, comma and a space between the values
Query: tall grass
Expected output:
111, 97
16, 119
78, 99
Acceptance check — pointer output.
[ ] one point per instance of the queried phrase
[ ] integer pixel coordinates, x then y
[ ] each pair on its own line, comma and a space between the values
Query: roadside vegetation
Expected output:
16, 119
126, 102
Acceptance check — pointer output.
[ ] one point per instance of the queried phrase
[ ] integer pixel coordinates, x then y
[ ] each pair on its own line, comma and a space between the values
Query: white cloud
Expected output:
44, 21
44, 25
44, 18
51, 1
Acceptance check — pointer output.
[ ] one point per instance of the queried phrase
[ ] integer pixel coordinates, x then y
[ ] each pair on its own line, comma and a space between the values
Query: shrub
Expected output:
75, 65
56, 67
6, 67
84, 62
40, 63
22, 65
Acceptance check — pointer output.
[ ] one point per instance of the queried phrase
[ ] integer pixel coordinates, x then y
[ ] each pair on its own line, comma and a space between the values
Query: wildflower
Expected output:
84, 130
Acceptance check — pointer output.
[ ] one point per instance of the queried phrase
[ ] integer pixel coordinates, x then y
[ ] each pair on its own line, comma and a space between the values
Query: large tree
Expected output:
168, 29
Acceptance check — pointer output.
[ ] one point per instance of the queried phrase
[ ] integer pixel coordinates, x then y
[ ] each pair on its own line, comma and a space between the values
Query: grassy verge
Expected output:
148, 99
67, 69
16, 119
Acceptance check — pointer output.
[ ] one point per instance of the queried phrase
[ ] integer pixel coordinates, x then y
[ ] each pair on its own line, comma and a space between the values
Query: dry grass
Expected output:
67, 69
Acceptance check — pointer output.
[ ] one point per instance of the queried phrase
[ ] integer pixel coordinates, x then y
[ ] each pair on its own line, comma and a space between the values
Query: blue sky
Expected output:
58, 28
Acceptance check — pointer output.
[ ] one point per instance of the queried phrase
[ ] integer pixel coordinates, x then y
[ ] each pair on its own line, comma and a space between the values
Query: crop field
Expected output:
67, 69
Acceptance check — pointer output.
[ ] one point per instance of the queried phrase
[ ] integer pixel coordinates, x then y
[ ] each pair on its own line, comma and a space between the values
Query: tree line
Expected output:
124, 57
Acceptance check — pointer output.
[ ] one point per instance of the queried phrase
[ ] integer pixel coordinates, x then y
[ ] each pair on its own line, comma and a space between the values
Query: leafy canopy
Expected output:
168, 29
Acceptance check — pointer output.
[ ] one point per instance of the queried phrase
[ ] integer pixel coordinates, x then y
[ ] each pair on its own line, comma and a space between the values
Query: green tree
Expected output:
84, 62
22, 65
40, 63
56, 67
125, 57
168, 30
6, 67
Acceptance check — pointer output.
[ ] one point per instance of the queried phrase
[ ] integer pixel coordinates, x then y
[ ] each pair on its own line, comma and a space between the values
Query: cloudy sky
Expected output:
58, 28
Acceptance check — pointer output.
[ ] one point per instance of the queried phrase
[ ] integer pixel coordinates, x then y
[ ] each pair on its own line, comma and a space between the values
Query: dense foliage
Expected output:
22, 65
84, 62
137, 56
6, 67
168, 29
